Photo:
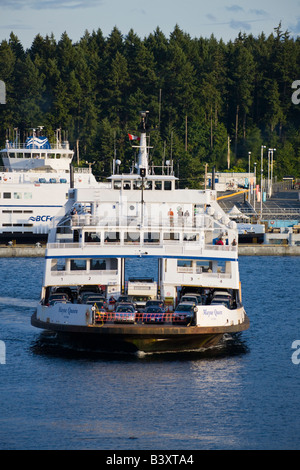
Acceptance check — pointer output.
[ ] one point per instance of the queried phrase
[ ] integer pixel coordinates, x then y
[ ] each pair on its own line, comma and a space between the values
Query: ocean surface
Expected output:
243, 394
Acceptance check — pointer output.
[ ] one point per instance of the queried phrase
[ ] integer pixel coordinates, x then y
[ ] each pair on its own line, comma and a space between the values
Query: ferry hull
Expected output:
133, 338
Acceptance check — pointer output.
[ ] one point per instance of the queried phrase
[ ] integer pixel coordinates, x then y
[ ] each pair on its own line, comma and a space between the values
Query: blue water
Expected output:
241, 395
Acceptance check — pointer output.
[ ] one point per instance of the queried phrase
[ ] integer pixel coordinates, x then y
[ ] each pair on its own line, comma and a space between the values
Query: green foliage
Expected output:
200, 92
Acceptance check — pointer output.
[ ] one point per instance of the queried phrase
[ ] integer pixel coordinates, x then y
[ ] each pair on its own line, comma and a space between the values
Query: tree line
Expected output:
209, 102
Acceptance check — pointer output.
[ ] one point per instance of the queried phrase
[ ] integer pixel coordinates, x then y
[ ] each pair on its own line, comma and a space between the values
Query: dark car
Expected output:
153, 314
55, 298
86, 297
184, 314
155, 303
98, 299
196, 298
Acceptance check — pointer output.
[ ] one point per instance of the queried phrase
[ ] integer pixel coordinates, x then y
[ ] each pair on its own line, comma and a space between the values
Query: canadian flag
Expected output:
133, 137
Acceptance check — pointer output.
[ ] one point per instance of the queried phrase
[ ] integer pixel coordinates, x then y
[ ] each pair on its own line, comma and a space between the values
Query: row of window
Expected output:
137, 184
16, 211
97, 264
111, 264
16, 195
19, 195
17, 225
35, 155
149, 237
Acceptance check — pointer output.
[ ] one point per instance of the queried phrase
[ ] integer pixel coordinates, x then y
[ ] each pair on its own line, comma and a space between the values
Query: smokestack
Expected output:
71, 176
213, 177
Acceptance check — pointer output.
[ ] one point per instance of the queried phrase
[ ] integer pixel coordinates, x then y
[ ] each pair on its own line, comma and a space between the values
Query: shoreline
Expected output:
32, 251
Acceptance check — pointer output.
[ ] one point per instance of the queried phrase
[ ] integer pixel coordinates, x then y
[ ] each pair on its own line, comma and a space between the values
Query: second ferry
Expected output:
34, 183
196, 297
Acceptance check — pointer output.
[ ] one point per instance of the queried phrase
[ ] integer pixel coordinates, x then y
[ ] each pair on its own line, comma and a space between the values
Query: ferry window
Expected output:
58, 264
221, 266
7, 212
131, 237
167, 185
151, 237
117, 184
27, 155
171, 236
112, 264
92, 237
157, 185
27, 195
98, 264
190, 237
148, 185
17, 195
7, 195
137, 184
78, 264
111, 237
184, 263
19, 155
203, 266
28, 212
126, 185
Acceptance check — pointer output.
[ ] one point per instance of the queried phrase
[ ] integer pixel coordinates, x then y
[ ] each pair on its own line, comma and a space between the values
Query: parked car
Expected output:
155, 303
85, 296
154, 314
54, 298
184, 314
221, 293
219, 301
221, 296
59, 301
96, 299
125, 313
197, 299
66, 291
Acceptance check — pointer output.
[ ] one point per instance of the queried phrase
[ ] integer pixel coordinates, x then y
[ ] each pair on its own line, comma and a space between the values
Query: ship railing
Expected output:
76, 272
23, 145
169, 317
184, 247
134, 223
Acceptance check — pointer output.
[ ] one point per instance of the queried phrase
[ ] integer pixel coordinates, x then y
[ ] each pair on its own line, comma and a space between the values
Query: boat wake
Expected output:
14, 302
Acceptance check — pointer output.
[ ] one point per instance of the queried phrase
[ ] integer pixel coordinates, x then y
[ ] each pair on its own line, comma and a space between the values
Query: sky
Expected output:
199, 18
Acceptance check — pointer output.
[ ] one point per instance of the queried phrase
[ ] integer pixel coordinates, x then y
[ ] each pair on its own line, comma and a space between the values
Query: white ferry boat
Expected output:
196, 297
34, 184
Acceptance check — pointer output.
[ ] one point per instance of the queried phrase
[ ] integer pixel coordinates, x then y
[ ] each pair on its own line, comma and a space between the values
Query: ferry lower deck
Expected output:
140, 337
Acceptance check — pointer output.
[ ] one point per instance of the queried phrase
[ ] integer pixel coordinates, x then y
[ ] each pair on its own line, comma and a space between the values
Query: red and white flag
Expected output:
133, 137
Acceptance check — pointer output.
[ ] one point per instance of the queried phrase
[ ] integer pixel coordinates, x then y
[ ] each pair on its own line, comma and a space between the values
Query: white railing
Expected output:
182, 246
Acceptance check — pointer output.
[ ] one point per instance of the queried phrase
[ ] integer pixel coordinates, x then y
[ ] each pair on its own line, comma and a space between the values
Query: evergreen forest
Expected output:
204, 96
